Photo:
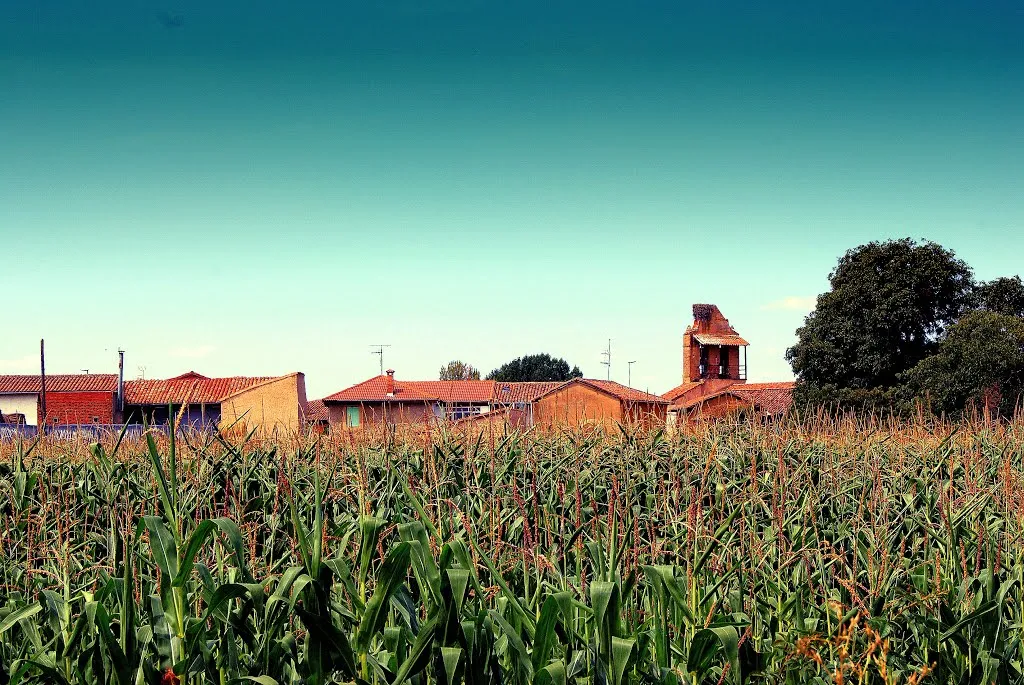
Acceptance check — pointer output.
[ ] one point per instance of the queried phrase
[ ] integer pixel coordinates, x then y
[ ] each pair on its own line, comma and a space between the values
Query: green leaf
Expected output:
451, 656
391, 577
708, 644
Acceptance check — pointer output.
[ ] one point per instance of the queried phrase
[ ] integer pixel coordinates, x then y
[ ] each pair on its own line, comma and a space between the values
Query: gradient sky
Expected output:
261, 187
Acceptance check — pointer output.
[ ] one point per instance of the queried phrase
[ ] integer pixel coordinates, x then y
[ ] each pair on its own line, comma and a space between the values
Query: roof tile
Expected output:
80, 382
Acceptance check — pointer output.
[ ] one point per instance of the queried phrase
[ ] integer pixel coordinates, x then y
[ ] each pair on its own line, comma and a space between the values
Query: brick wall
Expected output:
274, 405
69, 408
577, 405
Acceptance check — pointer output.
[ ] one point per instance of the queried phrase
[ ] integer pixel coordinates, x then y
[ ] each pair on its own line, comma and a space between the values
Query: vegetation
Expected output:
535, 367
838, 552
890, 306
459, 371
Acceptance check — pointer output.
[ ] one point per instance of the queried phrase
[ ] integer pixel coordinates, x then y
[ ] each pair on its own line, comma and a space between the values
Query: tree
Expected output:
459, 371
535, 367
889, 304
1002, 296
980, 362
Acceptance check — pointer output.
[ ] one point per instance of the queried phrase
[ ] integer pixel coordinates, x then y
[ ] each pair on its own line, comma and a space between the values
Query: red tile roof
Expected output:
624, 392
188, 388
454, 391
527, 391
375, 390
80, 382
480, 392
719, 339
680, 390
316, 410
770, 398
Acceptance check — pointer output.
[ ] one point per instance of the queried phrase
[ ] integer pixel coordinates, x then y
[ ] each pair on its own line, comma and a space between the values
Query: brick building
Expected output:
573, 402
715, 373
71, 399
263, 402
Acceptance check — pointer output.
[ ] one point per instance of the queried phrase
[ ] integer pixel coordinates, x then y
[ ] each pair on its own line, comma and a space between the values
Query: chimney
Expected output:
389, 384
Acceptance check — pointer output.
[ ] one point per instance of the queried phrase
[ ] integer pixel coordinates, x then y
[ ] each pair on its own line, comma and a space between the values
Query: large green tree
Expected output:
535, 367
887, 308
980, 362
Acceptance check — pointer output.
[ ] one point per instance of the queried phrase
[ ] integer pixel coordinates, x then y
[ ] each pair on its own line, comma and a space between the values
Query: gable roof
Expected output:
523, 391
375, 390
617, 390
71, 382
188, 388
771, 398
680, 390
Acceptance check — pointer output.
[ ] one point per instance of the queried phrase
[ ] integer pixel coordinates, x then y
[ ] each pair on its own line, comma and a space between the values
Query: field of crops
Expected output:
841, 552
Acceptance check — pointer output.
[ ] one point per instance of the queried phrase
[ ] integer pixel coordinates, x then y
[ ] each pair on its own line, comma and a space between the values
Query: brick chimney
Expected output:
389, 383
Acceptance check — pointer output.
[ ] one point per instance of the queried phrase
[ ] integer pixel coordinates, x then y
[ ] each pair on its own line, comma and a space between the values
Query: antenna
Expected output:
379, 351
85, 371
629, 373
607, 354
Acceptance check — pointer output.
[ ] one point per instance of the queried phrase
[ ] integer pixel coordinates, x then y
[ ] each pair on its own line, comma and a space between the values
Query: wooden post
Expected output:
42, 388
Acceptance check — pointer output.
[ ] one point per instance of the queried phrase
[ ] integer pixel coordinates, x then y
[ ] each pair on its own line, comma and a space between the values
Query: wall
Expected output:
645, 413
69, 408
375, 412
21, 404
577, 404
272, 405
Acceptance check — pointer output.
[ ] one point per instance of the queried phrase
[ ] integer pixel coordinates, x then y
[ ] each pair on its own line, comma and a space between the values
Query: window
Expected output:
352, 416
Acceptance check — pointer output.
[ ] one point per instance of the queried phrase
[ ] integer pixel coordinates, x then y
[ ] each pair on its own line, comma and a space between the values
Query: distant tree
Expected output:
459, 371
1002, 296
889, 304
535, 367
980, 362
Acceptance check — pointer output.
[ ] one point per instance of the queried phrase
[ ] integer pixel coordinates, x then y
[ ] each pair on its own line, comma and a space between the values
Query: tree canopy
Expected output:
979, 363
890, 307
456, 370
535, 367
1002, 296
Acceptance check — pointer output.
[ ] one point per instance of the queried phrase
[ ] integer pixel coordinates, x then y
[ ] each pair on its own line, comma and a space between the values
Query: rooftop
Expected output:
78, 382
188, 388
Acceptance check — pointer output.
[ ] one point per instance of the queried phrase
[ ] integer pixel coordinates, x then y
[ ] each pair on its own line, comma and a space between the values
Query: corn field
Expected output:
831, 551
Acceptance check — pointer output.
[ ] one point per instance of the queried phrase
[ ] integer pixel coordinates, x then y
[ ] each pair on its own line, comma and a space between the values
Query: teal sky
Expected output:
257, 188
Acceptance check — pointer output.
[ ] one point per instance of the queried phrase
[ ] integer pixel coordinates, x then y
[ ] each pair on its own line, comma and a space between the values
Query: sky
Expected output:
253, 188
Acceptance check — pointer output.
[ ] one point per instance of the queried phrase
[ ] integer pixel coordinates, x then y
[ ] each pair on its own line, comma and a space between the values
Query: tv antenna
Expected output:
379, 351
607, 354
629, 373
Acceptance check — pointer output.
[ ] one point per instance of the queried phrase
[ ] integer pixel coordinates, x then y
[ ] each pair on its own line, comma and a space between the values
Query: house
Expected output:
715, 373
264, 402
385, 399
71, 399
574, 402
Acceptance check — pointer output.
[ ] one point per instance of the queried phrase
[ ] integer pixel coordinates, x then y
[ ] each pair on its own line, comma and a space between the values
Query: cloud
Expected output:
193, 352
792, 302
27, 363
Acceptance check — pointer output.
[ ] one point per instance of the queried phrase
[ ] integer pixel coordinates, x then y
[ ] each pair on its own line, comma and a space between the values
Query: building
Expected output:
715, 373
263, 402
71, 399
577, 401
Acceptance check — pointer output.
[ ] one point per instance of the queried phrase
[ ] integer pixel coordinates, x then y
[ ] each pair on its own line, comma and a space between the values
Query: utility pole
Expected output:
379, 351
41, 419
607, 354
629, 373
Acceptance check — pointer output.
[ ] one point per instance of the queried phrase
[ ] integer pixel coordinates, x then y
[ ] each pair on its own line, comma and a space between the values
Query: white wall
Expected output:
21, 404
